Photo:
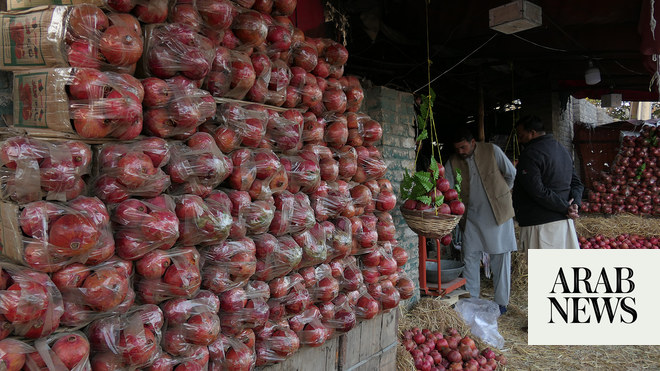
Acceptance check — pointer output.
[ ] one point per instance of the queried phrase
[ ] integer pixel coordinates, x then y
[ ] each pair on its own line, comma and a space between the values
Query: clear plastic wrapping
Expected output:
175, 106
177, 48
60, 351
289, 292
271, 177
326, 287
132, 169
293, 214
245, 171
228, 353
274, 343
202, 221
231, 75
370, 164
313, 243
258, 217
96, 40
304, 174
309, 328
284, 130
255, 313
29, 301
130, 340
280, 76
34, 169
14, 353
250, 28
276, 256
332, 200
339, 237
262, 68
89, 292
237, 125
195, 320
228, 265
56, 234
339, 315
162, 275
197, 166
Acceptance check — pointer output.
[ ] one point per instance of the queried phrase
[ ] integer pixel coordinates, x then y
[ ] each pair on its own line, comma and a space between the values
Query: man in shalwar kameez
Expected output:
487, 225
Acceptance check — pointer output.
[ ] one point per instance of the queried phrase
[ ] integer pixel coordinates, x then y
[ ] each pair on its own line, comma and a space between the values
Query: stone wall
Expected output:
395, 112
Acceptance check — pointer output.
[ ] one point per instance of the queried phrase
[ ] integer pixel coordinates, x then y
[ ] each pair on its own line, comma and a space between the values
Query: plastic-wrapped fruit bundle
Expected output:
326, 287
168, 274
313, 129
228, 353
216, 15
351, 278
176, 48
29, 301
278, 86
385, 293
258, 216
128, 340
276, 256
245, 171
202, 221
89, 292
339, 237
175, 106
144, 225
250, 28
348, 162
331, 200
262, 69
64, 351
104, 104
362, 130
385, 227
334, 99
365, 233
196, 358
329, 167
253, 314
304, 55
231, 75
228, 265
338, 315
370, 164
239, 201
405, 285
310, 89
58, 234
362, 199
304, 174
190, 323
280, 34
132, 169
336, 130
236, 126
290, 292
96, 40
309, 328
271, 178
313, 244
197, 166
293, 214
32, 169
284, 131
274, 343
14, 354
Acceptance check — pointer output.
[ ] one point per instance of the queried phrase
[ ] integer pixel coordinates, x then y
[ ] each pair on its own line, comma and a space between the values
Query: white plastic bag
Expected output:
481, 315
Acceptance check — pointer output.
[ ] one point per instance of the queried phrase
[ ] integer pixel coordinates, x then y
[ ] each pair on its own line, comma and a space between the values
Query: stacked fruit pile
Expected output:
224, 236
631, 186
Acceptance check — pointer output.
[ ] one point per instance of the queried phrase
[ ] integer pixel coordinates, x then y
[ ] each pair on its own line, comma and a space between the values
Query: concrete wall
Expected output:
395, 112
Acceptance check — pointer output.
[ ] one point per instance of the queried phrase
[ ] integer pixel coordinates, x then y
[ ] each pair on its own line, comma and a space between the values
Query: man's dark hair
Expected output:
461, 133
530, 123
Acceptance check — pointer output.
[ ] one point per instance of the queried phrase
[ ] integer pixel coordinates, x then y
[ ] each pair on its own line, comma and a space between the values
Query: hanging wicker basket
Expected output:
428, 223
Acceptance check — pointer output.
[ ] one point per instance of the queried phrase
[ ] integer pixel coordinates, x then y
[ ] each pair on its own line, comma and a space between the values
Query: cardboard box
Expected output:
515, 16
11, 236
33, 38
41, 101
27, 4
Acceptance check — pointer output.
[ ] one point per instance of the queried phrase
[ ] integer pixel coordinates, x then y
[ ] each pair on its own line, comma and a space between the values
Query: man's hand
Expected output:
572, 210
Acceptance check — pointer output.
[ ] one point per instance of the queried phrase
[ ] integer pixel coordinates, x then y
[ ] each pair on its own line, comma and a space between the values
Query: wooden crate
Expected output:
371, 345
324, 357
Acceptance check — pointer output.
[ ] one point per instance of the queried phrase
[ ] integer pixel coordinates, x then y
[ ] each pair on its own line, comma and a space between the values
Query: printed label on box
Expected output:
30, 110
22, 37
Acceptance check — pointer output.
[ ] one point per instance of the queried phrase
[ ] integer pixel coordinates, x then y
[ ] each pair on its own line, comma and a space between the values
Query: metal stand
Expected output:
435, 289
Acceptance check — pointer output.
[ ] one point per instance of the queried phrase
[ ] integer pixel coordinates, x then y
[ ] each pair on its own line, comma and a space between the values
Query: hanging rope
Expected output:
652, 22
513, 137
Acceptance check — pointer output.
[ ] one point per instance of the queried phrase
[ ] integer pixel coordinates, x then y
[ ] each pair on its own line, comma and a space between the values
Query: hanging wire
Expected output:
513, 137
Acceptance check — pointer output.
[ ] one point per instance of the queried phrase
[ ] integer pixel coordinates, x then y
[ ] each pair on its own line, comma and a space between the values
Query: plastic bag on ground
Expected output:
481, 315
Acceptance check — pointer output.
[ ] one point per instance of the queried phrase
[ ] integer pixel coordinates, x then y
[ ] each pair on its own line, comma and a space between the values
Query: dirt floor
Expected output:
561, 357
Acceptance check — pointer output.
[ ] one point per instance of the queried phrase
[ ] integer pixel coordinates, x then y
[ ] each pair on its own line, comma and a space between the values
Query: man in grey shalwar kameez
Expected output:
487, 226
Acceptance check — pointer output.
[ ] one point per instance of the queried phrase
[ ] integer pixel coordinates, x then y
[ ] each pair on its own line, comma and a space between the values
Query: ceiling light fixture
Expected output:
592, 74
